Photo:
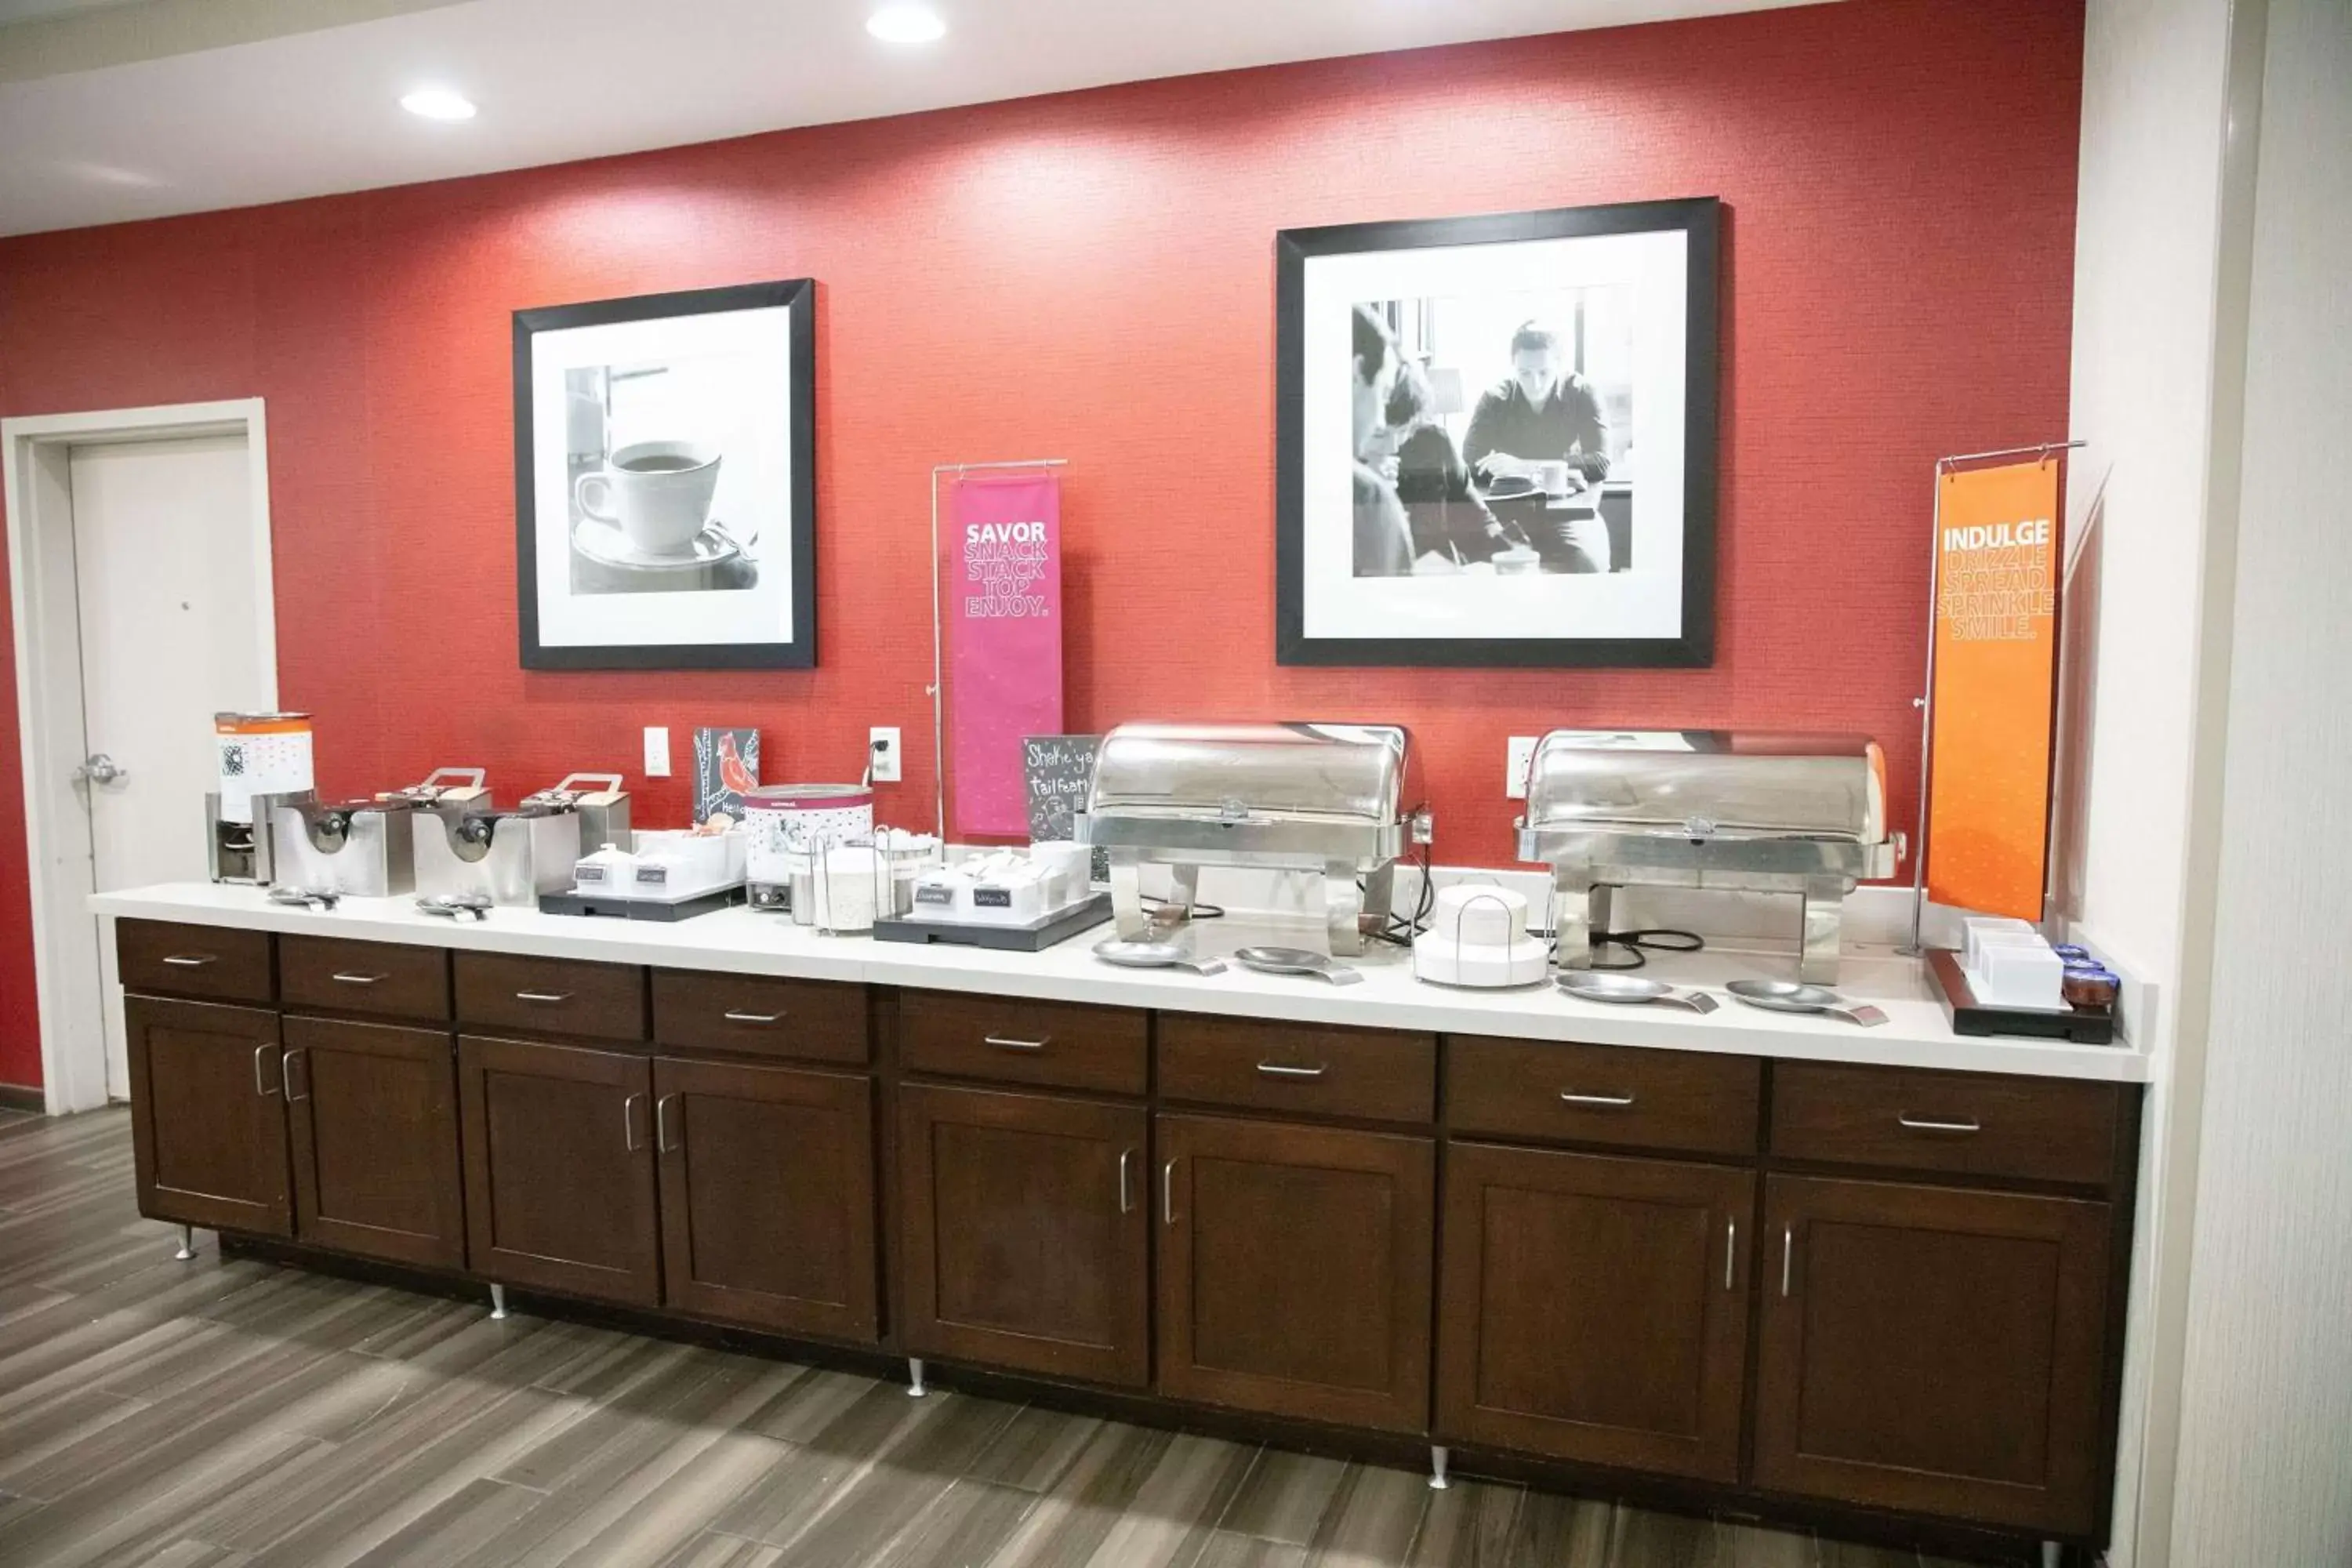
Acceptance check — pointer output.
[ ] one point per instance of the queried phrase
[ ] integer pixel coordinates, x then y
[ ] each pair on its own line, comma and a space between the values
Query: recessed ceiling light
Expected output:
906, 23
438, 103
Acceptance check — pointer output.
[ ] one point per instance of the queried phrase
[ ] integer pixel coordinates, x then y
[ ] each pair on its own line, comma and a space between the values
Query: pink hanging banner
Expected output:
1003, 573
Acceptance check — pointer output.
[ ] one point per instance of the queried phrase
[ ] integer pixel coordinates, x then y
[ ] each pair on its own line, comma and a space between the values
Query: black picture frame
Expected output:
1700, 220
797, 296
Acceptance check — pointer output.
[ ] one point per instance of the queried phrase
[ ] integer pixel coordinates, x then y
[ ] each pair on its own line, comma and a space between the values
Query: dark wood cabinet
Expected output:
767, 1195
210, 963
559, 1177
374, 979
1934, 1349
1295, 1269
1024, 1241
209, 1114
1595, 1309
373, 1116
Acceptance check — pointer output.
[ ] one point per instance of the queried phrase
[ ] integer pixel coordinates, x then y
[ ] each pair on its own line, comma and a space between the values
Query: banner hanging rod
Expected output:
2043, 449
936, 691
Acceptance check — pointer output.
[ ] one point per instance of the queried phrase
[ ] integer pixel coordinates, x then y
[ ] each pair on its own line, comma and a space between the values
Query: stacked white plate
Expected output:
1477, 936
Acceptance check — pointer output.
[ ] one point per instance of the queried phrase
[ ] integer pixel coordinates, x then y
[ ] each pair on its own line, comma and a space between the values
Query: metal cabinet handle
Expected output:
1168, 1193
1002, 1043
349, 979
546, 997
629, 1122
1126, 1202
286, 1072
1788, 1247
1614, 1101
753, 1017
264, 1089
1275, 1070
1927, 1124
662, 1145
191, 959
1730, 1247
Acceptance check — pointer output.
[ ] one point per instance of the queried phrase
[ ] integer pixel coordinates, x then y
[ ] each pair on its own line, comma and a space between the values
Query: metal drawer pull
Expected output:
286, 1072
1925, 1124
1275, 1070
1168, 1193
358, 979
546, 997
629, 1122
1730, 1246
191, 959
1616, 1101
754, 1017
1126, 1203
1788, 1246
662, 1144
258, 1087
1002, 1043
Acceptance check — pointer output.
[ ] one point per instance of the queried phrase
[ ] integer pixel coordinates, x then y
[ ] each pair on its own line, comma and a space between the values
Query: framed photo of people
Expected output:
666, 480
1495, 440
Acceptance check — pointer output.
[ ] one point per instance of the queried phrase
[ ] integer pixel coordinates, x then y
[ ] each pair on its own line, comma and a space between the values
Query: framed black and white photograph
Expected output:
1495, 440
666, 480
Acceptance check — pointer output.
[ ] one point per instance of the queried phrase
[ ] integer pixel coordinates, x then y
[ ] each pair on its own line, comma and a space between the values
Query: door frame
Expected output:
36, 483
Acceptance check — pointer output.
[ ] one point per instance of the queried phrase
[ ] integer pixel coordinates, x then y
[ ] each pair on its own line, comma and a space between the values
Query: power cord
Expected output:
1638, 944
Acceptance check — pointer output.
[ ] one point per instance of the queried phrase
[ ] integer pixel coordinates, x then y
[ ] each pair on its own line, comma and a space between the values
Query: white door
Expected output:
164, 573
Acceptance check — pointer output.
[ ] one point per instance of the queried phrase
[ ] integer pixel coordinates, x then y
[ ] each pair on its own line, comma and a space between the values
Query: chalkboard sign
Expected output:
1057, 770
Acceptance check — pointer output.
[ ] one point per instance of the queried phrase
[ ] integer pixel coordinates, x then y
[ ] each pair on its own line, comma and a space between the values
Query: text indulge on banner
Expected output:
1004, 569
1996, 678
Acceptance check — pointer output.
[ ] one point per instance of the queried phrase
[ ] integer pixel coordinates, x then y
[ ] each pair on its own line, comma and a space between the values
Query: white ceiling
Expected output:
107, 114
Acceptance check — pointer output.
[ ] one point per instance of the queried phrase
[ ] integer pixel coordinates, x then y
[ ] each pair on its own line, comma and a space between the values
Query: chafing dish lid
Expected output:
1720, 783
1345, 773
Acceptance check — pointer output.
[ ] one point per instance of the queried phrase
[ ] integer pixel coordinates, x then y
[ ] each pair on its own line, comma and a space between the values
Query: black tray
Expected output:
608, 907
1036, 937
1970, 1017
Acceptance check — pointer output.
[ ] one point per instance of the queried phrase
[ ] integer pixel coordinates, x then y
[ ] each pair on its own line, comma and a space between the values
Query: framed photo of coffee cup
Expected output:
666, 480
1495, 439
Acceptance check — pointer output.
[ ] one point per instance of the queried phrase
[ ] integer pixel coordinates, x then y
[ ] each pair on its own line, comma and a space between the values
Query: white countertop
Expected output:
739, 941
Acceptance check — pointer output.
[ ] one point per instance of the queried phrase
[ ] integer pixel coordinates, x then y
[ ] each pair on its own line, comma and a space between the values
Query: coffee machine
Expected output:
260, 760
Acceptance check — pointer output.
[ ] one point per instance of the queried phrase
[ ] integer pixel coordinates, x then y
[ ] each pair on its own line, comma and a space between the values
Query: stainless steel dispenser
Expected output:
240, 851
1330, 800
1707, 808
508, 857
602, 803
360, 849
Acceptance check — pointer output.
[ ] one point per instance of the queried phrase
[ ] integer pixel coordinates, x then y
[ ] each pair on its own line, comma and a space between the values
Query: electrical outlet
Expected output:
1520, 757
656, 754
883, 754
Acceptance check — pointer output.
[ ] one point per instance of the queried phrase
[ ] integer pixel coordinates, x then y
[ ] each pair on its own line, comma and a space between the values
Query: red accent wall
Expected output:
1091, 276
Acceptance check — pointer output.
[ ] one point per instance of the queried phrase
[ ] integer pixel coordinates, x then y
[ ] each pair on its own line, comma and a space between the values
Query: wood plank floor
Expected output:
209, 1413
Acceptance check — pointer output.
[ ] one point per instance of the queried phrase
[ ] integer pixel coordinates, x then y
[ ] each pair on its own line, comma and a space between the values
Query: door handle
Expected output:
662, 1145
1168, 1193
753, 1017
1275, 1070
286, 1072
99, 768
1004, 1043
1788, 1247
1730, 1247
546, 997
629, 1122
259, 1086
191, 959
1126, 1202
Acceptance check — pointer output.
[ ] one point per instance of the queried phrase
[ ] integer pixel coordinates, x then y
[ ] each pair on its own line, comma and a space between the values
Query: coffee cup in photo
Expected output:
1518, 561
657, 493
1551, 476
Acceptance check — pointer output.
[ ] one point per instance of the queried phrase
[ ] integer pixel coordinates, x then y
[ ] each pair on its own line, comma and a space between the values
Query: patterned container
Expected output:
785, 820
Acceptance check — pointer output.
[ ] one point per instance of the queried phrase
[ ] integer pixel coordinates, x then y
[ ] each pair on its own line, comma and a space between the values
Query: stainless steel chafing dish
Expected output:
1332, 800
1707, 808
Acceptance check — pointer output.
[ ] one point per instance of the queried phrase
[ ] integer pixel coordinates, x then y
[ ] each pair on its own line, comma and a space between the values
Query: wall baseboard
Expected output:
18, 1097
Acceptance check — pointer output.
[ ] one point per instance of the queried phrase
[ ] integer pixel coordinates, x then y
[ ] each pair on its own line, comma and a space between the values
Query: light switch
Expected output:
657, 752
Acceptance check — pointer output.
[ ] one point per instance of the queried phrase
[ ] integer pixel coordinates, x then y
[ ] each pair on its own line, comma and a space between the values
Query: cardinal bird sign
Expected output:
725, 763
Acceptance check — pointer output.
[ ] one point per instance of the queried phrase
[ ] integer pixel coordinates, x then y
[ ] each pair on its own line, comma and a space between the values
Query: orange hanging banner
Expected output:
1996, 667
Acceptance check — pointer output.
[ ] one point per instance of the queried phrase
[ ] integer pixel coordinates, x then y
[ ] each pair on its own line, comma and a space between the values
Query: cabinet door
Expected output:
1024, 1236
560, 1168
208, 1115
1596, 1308
1934, 1349
767, 1195
1295, 1269
373, 1113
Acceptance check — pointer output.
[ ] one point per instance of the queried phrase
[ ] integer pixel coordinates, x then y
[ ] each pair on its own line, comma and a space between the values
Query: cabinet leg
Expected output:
497, 1303
187, 1244
1438, 1455
915, 1389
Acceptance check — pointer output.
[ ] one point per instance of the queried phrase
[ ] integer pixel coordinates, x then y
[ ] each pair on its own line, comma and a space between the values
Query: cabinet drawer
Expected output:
1380, 1075
1015, 1041
1978, 1124
751, 1015
551, 995
1622, 1096
210, 962
380, 979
